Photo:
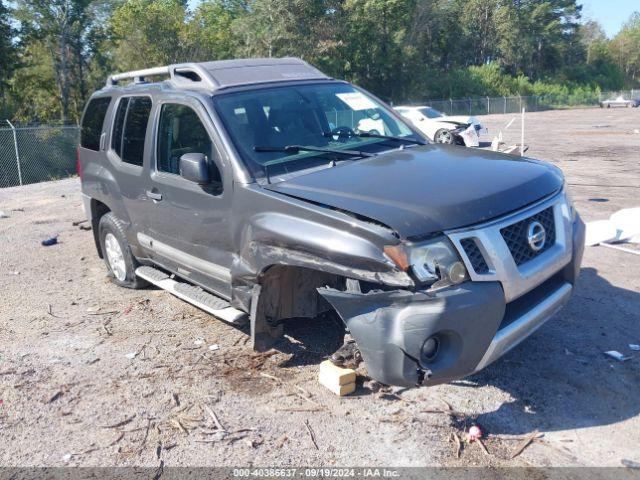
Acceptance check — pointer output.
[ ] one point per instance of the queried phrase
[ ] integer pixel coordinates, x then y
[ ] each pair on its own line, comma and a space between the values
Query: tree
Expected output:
625, 47
59, 26
148, 33
8, 53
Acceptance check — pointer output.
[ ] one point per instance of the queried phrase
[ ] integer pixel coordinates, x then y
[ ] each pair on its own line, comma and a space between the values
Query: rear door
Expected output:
187, 225
126, 153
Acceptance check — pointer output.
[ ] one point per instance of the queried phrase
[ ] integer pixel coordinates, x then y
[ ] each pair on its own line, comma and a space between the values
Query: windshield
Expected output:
431, 112
327, 116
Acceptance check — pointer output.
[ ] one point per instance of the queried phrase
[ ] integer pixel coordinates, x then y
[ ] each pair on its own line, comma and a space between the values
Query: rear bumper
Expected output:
473, 323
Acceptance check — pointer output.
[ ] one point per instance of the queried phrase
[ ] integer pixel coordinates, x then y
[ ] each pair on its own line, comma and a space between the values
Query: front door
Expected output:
187, 225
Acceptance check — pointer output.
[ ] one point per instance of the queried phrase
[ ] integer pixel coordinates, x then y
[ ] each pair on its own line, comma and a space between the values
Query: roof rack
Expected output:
184, 74
221, 74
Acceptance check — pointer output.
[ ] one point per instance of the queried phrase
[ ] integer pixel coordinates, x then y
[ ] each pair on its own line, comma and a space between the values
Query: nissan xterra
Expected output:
246, 188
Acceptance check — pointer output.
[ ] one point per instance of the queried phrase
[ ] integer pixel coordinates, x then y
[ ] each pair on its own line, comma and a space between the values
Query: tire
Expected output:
444, 136
117, 254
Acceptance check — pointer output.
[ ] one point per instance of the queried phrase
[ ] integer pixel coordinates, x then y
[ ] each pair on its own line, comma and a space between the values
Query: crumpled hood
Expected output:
422, 190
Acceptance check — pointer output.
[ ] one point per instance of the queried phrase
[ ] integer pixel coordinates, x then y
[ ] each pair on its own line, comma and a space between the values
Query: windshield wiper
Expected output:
390, 137
302, 148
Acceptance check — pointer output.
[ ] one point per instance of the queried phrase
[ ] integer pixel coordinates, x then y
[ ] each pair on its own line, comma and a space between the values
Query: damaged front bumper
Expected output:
411, 338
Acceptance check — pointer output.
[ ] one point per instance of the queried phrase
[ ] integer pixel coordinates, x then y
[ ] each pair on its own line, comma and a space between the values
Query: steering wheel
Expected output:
342, 134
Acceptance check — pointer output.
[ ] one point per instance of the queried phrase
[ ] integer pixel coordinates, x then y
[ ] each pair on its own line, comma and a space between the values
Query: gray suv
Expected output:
262, 190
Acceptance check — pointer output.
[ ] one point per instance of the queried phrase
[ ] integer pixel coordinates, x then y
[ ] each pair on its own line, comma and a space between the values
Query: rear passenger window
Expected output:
180, 132
92, 123
130, 129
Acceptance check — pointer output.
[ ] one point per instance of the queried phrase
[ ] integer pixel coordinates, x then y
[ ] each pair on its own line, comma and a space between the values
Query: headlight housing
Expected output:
434, 262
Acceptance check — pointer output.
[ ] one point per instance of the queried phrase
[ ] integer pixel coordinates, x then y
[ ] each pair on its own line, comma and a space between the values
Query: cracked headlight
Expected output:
434, 262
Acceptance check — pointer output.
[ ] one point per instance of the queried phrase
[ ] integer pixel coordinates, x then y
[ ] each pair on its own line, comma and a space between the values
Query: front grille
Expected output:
516, 236
476, 258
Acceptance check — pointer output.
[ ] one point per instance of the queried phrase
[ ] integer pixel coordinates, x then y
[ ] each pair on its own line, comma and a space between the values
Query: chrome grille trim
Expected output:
517, 279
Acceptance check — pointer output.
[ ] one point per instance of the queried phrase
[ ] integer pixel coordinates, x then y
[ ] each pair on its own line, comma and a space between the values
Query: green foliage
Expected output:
401, 50
625, 47
8, 54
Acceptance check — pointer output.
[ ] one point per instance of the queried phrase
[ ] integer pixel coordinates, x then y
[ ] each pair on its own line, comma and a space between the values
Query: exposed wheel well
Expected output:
291, 291
286, 292
98, 209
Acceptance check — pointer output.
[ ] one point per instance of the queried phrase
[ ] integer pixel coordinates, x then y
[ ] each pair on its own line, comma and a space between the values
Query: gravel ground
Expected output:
95, 375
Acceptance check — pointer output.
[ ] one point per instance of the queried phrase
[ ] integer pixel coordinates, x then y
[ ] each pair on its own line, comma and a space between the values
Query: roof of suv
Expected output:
222, 74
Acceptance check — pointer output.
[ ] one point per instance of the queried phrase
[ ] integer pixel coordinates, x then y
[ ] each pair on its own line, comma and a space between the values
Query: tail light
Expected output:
78, 164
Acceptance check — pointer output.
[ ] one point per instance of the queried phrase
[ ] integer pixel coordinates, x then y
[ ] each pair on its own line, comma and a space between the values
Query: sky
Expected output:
610, 13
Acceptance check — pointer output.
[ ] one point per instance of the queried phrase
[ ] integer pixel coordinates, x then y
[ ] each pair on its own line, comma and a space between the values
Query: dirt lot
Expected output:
94, 375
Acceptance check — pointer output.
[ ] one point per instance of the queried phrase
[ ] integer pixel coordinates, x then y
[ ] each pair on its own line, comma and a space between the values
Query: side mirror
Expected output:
193, 167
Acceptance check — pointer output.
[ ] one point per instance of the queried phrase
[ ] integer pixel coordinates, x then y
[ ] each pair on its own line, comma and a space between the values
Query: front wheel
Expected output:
444, 136
117, 253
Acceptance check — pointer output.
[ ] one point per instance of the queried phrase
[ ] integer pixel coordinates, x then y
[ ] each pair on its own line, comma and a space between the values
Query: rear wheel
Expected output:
117, 254
444, 136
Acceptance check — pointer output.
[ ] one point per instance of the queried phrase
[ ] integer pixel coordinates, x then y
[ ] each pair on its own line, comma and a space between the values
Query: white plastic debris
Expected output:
3, 215
617, 355
198, 341
67, 457
214, 347
599, 231
634, 347
131, 355
622, 226
627, 222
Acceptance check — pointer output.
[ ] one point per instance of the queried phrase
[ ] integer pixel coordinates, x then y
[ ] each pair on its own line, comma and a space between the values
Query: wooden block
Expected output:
336, 375
341, 381
340, 390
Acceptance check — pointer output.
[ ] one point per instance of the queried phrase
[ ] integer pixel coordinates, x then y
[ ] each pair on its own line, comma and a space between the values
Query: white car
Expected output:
441, 128
619, 102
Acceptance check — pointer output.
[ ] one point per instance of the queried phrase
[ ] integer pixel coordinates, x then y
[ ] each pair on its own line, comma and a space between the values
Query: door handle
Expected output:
157, 196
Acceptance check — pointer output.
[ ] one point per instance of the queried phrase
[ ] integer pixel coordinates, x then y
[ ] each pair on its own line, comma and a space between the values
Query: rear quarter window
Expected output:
92, 123
130, 129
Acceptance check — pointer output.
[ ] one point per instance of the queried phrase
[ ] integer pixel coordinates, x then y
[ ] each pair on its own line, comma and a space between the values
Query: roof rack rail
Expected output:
184, 74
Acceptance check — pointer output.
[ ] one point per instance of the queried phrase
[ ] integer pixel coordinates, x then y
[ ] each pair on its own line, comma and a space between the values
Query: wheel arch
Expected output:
98, 210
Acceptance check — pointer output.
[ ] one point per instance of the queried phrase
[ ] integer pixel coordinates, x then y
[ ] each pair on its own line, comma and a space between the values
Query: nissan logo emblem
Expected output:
536, 236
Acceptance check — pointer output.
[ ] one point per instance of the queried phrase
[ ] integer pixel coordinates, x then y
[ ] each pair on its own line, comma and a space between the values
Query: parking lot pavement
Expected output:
94, 375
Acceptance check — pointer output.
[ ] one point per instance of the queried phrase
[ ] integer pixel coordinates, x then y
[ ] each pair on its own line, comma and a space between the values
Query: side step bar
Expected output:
194, 295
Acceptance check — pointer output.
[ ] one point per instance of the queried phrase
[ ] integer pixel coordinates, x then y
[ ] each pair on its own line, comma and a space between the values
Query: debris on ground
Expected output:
617, 355
52, 240
474, 433
311, 434
622, 227
634, 347
341, 381
348, 355
214, 347
524, 444
630, 463
3, 215
458, 444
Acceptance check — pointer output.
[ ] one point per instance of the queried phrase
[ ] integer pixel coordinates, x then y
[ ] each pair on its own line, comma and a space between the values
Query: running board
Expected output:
194, 295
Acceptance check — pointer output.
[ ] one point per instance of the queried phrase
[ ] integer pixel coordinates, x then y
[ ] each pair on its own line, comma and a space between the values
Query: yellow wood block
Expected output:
341, 381
341, 390
336, 375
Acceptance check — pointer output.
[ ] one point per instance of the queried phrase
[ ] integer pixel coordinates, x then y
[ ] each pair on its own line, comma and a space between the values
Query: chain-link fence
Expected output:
36, 154
532, 103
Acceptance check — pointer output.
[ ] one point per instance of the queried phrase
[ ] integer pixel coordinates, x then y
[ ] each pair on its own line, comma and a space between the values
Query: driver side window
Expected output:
181, 131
